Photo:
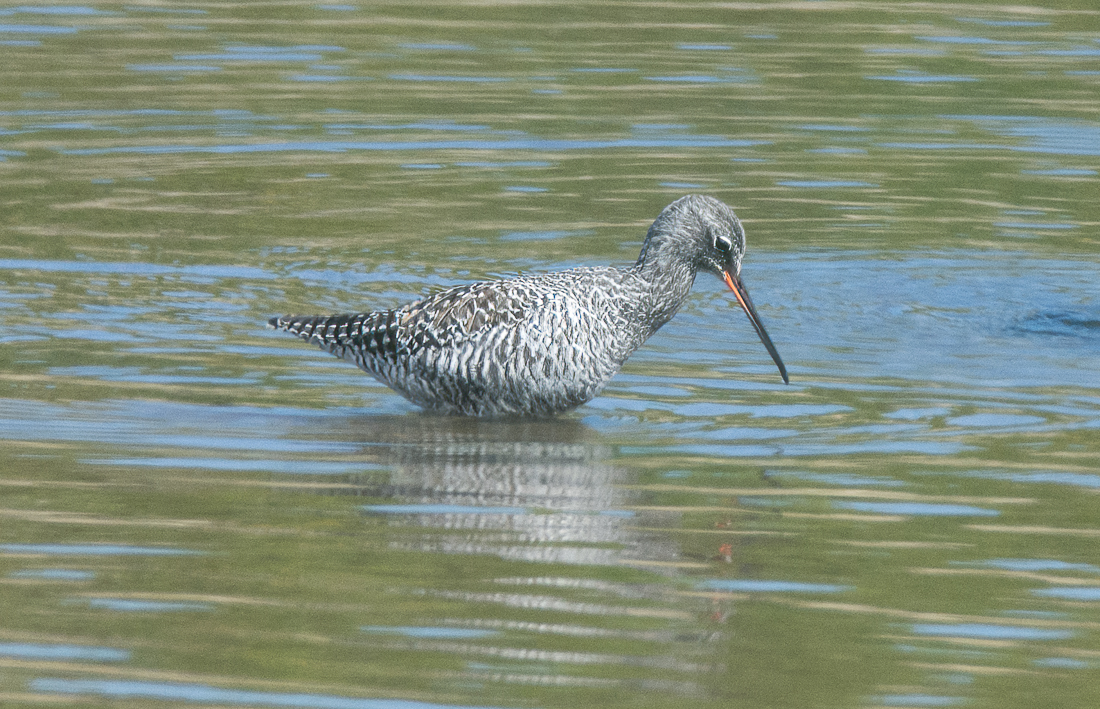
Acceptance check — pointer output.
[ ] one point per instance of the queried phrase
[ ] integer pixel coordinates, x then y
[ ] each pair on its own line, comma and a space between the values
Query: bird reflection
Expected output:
533, 490
542, 491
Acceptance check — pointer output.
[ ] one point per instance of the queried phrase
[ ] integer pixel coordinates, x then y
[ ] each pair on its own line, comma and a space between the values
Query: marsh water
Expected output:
195, 510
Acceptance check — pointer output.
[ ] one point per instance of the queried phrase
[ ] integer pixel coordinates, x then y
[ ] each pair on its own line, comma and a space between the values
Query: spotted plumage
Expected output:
539, 345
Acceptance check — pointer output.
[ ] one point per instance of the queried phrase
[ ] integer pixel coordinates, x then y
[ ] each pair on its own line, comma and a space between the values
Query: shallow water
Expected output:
197, 510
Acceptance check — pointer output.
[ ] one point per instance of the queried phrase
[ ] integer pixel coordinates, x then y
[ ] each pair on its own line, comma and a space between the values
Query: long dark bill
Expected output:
739, 290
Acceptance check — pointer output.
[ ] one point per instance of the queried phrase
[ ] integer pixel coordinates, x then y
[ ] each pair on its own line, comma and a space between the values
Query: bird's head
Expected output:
704, 233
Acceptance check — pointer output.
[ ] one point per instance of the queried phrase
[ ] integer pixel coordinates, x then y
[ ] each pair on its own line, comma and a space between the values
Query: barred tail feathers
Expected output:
352, 337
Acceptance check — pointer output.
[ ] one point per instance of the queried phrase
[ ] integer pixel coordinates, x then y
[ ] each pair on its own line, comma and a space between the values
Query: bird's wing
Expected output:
464, 313
445, 319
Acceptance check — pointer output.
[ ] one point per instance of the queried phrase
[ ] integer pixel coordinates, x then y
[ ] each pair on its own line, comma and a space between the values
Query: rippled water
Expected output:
197, 510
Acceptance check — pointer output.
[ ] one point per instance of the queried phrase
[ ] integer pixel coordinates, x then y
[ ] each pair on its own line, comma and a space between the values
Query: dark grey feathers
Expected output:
533, 345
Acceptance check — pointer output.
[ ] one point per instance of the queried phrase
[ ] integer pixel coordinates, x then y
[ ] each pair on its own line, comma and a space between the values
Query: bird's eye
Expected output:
723, 243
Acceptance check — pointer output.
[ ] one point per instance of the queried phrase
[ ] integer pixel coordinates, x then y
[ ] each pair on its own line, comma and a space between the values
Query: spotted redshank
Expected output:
540, 345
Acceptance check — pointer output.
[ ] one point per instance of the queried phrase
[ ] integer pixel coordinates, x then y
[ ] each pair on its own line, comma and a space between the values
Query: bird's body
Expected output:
543, 344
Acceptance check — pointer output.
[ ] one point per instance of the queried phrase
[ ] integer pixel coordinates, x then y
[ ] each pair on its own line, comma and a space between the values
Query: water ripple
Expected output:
209, 694
340, 146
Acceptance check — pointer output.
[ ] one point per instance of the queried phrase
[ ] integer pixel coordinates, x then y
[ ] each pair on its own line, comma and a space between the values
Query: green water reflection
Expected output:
194, 510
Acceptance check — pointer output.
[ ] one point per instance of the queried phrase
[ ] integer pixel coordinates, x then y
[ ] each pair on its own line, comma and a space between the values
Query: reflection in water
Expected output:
759, 586
917, 508
990, 632
92, 550
912, 525
536, 490
128, 605
205, 694
52, 574
38, 651
530, 491
1061, 323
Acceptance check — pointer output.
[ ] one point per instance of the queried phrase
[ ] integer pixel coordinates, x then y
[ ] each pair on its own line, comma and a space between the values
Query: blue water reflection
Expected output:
135, 268
841, 479
128, 605
1063, 663
439, 78
970, 40
171, 68
1047, 135
766, 586
1071, 593
83, 653
438, 46
286, 467
1040, 565
65, 10
245, 53
435, 633
441, 509
94, 550
732, 78
918, 197
824, 183
1086, 480
985, 631
918, 700
53, 574
916, 509
36, 29
208, 694
338, 146
991, 420
1003, 23
915, 77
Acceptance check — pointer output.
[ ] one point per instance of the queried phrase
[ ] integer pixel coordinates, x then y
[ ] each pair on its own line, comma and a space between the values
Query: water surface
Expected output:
200, 511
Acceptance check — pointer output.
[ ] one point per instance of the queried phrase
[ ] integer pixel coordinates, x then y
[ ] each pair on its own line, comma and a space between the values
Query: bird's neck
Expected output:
665, 284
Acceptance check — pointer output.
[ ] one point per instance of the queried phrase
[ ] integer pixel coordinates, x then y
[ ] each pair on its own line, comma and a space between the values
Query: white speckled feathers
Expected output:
532, 345
538, 345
